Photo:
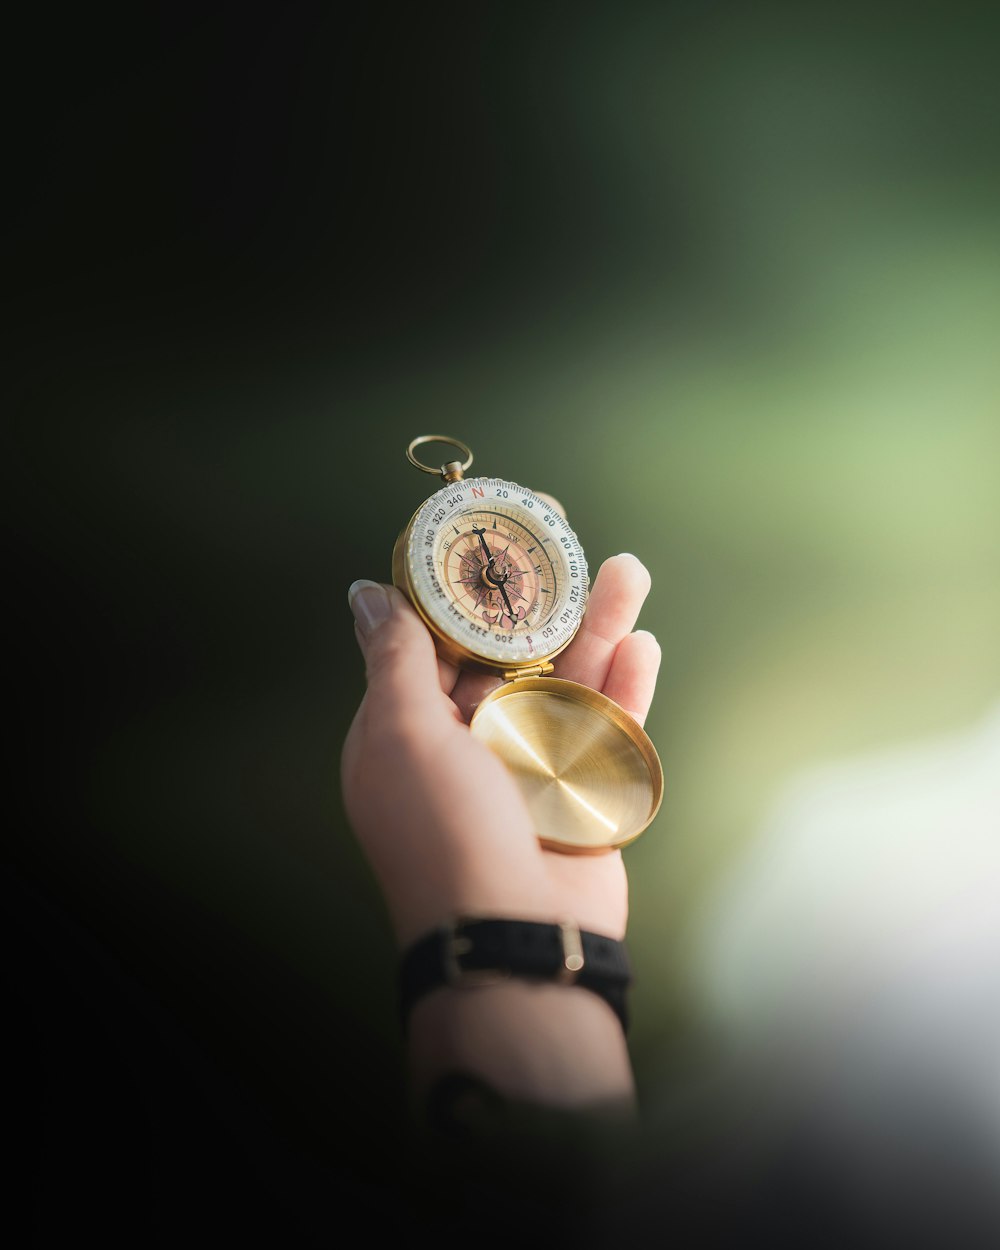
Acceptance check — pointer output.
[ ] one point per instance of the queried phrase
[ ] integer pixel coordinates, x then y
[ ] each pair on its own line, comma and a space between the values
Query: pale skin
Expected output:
446, 832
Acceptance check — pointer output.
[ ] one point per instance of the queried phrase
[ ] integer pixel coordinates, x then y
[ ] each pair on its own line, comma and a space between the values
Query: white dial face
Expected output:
498, 570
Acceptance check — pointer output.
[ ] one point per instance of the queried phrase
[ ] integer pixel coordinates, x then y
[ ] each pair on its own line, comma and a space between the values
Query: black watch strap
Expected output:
482, 950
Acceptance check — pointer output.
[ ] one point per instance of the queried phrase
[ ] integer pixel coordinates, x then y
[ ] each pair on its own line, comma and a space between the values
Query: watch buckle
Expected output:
455, 946
572, 951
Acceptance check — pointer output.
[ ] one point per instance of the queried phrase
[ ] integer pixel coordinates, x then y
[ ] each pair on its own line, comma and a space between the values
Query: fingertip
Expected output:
631, 679
401, 660
370, 604
373, 603
646, 654
625, 579
630, 565
649, 642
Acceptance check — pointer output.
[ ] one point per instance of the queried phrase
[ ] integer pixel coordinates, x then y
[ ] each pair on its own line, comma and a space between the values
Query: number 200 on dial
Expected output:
496, 571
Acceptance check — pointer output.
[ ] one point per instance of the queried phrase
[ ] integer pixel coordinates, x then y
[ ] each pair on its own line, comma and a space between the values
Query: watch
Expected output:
474, 951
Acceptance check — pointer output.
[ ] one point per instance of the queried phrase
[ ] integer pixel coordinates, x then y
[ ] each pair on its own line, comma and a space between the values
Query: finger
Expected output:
448, 675
470, 690
617, 596
631, 679
401, 663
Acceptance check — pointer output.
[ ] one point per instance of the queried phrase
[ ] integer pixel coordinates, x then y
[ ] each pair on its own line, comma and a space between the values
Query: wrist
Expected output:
473, 952
531, 883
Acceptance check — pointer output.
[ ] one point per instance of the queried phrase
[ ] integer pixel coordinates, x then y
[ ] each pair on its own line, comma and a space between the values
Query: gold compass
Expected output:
500, 579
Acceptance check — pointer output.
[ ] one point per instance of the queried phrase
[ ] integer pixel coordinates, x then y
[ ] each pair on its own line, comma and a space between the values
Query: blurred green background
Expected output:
724, 279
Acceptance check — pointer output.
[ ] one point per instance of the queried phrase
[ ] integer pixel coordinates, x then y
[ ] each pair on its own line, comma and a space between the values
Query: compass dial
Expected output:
496, 571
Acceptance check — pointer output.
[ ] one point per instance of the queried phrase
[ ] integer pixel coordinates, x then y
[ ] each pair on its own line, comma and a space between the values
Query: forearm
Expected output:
525, 1113
549, 1045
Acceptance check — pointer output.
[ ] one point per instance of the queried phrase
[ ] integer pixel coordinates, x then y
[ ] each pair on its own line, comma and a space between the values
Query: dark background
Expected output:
721, 277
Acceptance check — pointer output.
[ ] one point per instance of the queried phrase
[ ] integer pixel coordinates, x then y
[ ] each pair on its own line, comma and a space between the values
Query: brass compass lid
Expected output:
589, 772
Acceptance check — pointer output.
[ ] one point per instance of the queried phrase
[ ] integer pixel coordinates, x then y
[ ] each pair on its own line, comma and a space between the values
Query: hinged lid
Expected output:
590, 774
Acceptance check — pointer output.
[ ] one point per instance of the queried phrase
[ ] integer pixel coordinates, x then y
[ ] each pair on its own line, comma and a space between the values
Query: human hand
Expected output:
439, 817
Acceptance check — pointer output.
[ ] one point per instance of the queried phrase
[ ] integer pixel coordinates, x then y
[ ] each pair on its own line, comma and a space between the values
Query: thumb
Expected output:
400, 659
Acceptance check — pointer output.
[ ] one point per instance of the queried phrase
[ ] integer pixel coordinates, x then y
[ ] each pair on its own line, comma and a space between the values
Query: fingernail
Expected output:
369, 603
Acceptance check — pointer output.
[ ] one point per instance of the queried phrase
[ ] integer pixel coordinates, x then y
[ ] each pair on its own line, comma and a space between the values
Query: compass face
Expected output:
497, 570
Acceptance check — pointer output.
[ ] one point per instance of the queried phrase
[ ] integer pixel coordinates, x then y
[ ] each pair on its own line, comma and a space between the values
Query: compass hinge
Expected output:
533, 670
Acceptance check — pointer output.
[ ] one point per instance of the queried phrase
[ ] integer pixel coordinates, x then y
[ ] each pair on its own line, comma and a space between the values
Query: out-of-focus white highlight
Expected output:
854, 951
889, 860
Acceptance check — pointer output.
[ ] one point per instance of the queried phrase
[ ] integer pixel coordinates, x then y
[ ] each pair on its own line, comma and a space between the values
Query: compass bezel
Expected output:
461, 640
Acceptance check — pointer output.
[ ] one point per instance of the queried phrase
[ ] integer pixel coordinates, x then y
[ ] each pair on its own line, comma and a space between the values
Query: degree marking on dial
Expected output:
513, 577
